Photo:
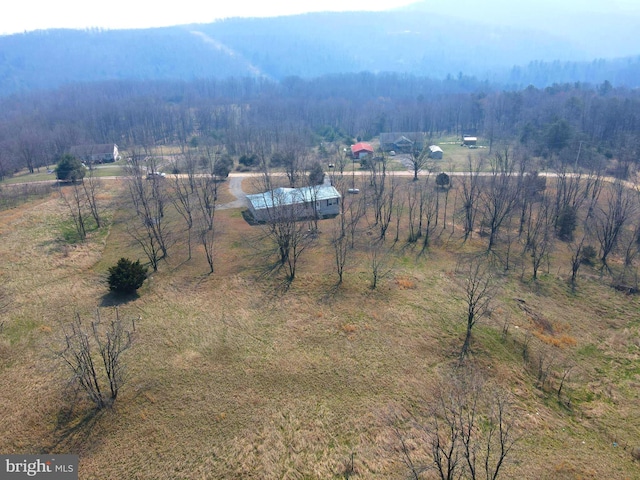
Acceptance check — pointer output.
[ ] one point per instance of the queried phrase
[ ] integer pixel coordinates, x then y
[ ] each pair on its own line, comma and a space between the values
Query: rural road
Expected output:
235, 182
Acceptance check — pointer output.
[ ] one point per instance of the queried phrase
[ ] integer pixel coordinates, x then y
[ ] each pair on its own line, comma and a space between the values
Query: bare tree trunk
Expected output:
470, 193
183, 201
75, 201
539, 238
90, 184
206, 194
340, 244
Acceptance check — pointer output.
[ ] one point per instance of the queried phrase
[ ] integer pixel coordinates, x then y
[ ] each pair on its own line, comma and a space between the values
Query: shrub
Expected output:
126, 276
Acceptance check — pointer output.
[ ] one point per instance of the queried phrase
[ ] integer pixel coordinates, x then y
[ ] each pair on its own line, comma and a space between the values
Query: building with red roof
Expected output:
361, 150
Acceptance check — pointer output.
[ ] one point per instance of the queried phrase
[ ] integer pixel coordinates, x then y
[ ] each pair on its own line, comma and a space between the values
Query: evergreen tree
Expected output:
70, 169
126, 276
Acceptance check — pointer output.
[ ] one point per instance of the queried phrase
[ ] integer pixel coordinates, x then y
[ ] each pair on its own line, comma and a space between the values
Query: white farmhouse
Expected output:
95, 153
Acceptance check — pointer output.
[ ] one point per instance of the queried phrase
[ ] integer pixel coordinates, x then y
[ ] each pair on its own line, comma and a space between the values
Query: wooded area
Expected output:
581, 125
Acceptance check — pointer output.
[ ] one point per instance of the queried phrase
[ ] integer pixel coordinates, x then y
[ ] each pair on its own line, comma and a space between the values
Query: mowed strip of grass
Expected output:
234, 376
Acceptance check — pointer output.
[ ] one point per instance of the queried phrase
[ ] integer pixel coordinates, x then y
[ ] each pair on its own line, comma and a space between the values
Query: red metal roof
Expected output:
361, 147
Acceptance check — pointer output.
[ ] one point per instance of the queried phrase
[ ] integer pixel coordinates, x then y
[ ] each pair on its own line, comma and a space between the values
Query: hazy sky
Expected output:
25, 15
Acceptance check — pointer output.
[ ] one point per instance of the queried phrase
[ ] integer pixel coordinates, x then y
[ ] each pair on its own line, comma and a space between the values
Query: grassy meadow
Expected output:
239, 375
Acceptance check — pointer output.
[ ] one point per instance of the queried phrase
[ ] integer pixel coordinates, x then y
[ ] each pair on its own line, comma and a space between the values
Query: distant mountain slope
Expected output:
53, 57
415, 41
425, 44
600, 29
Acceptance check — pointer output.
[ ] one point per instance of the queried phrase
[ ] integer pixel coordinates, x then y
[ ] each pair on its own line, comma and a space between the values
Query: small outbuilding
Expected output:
361, 150
435, 152
468, 141
296, 203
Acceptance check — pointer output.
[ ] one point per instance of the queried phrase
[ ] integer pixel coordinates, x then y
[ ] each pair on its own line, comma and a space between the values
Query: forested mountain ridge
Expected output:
416, 42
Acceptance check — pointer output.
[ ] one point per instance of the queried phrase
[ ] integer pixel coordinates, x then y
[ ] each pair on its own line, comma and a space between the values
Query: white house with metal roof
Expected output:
305, 202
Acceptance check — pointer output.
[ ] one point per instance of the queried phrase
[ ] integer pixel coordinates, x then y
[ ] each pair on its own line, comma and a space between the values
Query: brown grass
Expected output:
236, 375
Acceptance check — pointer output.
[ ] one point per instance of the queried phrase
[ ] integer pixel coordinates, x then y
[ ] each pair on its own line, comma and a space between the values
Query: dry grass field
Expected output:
238, 375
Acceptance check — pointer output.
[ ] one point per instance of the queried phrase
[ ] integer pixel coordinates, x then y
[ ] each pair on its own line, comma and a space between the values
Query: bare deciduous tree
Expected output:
207, 195
576, 249
355, 210
467, 430
340, 243
183, 200
286, 227
419, 160
379, 261
147, 194
386, 207
430, 209
91, 184
611, 219
478, 285
470, 194
75, 200
413, 197
500, 195
93, 351
377, 187
539, 237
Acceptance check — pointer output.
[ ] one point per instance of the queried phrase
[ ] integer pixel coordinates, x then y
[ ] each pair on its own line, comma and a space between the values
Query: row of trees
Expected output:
501, 198
524, 218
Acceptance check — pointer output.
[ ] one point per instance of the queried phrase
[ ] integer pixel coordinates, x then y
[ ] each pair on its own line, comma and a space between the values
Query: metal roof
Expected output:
292, 196
103, 149
361, 146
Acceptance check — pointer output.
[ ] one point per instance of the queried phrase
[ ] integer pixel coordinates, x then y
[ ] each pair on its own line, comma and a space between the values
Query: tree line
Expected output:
586, 123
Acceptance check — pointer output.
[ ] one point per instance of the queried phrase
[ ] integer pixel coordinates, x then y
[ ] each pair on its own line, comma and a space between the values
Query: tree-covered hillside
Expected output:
420, 43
